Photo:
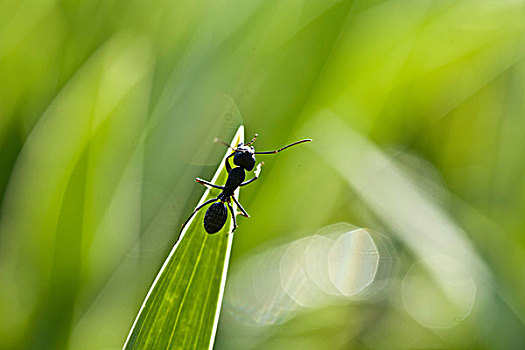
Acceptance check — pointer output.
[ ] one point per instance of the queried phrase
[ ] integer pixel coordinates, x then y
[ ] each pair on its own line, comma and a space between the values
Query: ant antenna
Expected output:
252, 141
217, 140
285, 147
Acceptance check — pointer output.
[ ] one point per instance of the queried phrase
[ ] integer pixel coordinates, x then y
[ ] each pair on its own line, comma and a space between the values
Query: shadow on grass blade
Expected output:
181, 309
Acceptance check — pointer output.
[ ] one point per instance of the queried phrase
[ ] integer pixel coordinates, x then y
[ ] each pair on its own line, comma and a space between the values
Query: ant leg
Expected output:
196, 210
256, 175
244, 213
227, 163
208, 184
233, 217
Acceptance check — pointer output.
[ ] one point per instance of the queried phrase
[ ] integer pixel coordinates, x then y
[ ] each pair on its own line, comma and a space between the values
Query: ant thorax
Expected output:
235, 179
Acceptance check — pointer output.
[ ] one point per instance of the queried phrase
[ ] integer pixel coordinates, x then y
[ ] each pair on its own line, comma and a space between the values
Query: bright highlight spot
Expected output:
331, 266
353, 262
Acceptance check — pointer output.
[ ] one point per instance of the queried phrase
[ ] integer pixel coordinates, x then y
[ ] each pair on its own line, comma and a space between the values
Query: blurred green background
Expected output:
108, 111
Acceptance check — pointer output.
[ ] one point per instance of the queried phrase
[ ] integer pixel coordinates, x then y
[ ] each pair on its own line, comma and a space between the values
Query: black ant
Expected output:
244, 159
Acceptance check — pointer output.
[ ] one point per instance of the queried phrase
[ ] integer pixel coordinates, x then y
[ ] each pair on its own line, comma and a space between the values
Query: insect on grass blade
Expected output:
181, 309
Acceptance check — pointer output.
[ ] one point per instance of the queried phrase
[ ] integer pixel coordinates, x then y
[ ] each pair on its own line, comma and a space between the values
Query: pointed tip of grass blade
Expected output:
181, 309
238, 138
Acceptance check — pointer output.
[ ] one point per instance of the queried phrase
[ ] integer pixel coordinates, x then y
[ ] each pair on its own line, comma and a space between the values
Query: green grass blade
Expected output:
181, 309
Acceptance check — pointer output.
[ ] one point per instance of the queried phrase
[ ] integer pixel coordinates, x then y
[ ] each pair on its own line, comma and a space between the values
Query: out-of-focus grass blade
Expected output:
391, 194
182, 307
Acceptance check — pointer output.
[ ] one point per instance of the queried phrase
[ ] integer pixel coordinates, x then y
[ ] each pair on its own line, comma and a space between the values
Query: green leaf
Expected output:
181, 309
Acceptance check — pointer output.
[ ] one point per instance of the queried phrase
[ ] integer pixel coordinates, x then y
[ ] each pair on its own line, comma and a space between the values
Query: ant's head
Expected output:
244, 156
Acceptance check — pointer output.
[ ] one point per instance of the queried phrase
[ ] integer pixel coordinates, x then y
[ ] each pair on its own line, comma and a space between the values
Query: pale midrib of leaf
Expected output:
190, 280
177, 318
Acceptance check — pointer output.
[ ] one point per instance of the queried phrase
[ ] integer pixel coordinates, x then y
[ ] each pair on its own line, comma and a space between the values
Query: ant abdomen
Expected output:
215, 217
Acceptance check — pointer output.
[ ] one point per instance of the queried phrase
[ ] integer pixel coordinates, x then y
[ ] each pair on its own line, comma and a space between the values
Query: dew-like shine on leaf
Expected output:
182, 307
